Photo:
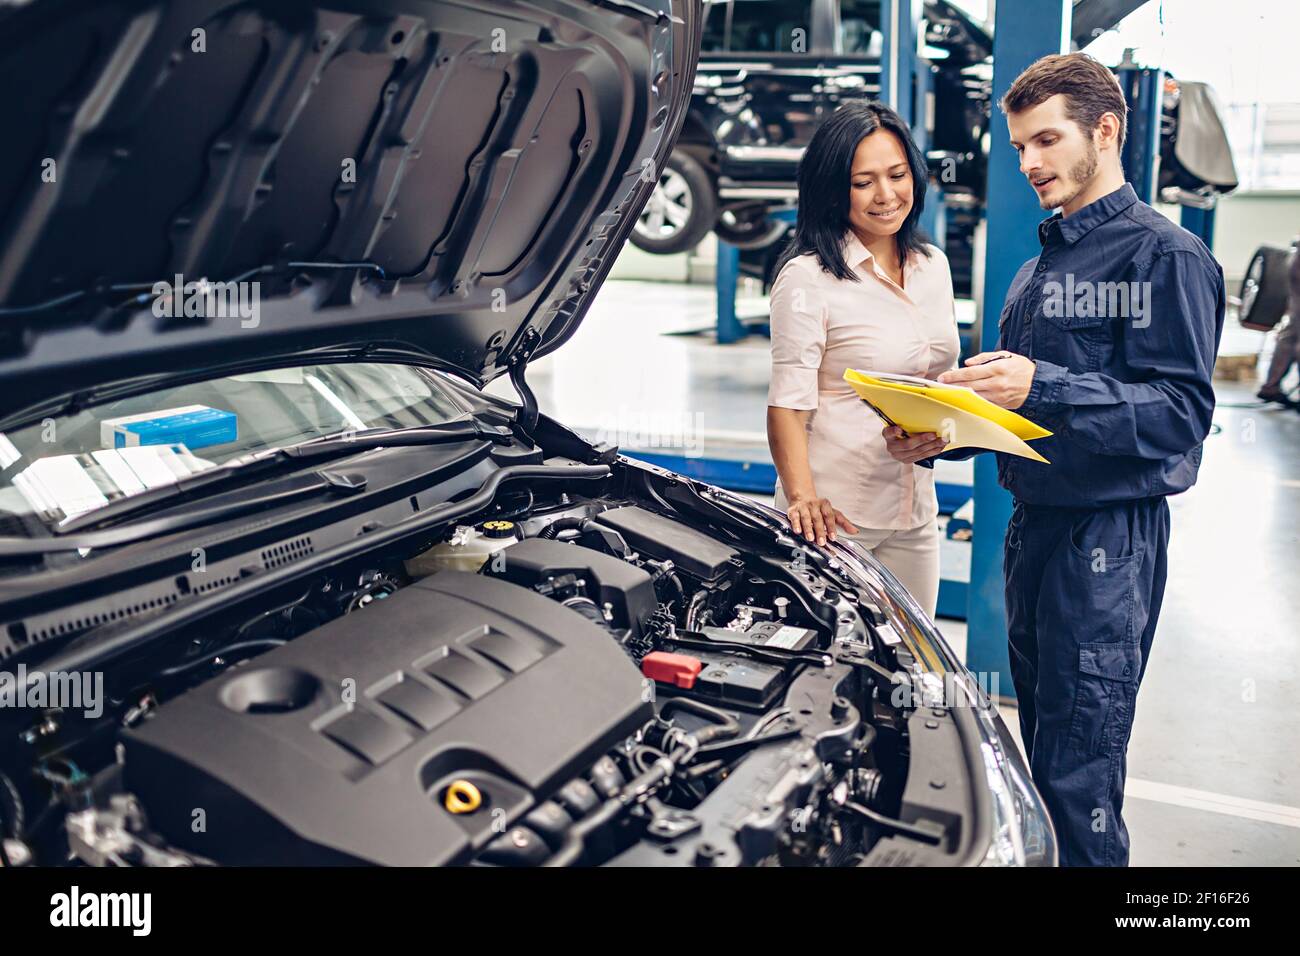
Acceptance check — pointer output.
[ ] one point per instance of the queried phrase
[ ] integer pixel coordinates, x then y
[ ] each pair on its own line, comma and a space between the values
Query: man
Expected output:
1286, 348
1108, 338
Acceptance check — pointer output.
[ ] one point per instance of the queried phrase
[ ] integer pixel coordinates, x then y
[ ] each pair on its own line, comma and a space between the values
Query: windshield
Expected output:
73, 464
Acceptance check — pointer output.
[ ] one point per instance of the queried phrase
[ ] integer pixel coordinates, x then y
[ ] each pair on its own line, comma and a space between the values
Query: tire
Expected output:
680, 212
749, 228
1264, 289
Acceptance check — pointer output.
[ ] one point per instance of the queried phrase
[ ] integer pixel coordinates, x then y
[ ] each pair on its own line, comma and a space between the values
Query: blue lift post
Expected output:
898, 26
1144, 95
726, 275
910, 66
1024, 30
1144, 89
1199, 222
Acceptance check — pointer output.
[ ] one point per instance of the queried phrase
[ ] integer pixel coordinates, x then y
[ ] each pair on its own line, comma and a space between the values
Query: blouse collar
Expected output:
856, 254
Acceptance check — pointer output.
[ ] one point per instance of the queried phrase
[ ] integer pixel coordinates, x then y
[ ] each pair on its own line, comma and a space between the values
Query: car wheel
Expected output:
1264, 289
748, 227
681, 210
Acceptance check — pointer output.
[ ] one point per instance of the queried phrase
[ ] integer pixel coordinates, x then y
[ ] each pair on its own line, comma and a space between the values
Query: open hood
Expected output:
448, 182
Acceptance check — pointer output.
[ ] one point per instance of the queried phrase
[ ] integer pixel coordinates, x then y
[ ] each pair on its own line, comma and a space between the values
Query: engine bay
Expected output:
603, 679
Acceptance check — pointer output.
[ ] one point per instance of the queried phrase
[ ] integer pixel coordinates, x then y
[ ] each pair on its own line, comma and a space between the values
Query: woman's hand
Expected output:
909, 449
815, 518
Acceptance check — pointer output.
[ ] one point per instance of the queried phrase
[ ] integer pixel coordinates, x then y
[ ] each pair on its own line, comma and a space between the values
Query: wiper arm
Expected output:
260, 464
75, 534
331, 446
303, 486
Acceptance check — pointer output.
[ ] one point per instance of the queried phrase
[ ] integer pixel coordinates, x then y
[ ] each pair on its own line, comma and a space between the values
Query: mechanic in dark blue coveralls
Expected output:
1108, 338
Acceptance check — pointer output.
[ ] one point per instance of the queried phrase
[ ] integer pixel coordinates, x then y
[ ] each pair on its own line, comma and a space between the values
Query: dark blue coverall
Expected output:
1124, 384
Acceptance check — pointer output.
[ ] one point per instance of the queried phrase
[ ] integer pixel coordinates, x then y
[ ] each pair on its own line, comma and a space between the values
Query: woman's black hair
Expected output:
825, 176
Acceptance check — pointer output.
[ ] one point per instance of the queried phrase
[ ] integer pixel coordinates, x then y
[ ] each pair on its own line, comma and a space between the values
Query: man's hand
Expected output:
909, 449
814, 518
1001, 377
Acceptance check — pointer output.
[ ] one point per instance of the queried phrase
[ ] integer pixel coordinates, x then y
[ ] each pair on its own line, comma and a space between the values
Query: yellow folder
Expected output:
953, 412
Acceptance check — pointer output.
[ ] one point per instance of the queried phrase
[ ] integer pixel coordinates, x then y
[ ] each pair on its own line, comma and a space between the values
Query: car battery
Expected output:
739, 681
775, 635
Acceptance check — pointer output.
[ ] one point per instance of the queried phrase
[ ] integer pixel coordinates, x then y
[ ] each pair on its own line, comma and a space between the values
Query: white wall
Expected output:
1244, 222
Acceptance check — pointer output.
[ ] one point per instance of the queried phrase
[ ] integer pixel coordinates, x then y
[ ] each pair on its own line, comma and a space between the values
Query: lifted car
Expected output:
770, 72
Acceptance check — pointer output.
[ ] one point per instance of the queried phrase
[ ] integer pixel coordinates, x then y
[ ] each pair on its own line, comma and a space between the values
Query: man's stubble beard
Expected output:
1080, 174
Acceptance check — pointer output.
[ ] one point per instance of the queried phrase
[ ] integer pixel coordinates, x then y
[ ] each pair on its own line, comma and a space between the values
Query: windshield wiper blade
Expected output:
330, 446
76, 533
303, 486
249, 468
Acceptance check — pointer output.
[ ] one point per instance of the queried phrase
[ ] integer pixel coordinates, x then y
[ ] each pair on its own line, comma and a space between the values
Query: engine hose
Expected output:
693, 610
518, 511
568, 523
239, 648
588, 609
575, 841
896, 826
643, 757
637, 789
11, 819
676, 582
724, 725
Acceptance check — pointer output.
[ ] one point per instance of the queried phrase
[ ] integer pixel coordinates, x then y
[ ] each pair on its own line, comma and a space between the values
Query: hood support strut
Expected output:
527, 417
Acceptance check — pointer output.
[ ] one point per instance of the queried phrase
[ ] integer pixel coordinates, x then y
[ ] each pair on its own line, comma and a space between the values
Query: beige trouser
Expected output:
912, 556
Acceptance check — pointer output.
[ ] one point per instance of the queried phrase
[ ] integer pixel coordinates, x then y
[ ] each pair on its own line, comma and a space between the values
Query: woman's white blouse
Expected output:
822, 325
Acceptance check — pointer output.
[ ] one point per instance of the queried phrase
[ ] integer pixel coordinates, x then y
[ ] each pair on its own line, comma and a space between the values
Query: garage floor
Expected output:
1214, 762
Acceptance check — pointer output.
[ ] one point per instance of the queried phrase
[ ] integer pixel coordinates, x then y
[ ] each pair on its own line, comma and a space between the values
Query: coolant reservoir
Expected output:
468, 549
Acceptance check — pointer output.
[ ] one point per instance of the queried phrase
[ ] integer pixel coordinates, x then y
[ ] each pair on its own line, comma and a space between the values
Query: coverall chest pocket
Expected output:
1067, 335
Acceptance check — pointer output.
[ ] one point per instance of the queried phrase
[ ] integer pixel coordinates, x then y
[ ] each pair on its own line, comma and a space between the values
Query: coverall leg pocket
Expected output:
1103, 699
1108, 656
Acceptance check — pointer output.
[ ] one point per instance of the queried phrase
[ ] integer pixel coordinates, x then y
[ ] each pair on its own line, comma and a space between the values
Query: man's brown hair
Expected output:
1089, 88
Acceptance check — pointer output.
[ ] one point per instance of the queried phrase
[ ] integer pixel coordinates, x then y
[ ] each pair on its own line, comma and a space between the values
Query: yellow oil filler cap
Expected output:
462, 797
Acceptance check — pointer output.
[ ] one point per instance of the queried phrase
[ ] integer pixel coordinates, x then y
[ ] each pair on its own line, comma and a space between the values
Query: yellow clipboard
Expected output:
952, 411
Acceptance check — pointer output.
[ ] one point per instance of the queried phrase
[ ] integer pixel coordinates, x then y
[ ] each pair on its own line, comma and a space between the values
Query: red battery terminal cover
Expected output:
679, 670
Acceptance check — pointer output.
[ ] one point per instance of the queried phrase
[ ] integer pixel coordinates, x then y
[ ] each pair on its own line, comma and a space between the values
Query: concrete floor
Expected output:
1214, 761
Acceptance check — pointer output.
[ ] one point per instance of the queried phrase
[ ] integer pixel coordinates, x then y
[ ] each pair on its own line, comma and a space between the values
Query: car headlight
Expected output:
1022, 829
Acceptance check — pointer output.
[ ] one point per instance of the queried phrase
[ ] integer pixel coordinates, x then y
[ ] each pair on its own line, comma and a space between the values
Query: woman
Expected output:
858, 288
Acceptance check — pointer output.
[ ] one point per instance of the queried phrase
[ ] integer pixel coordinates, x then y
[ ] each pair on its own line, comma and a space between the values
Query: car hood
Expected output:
188, 186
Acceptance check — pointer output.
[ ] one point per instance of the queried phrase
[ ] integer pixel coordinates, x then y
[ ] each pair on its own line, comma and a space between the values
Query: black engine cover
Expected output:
458, 676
